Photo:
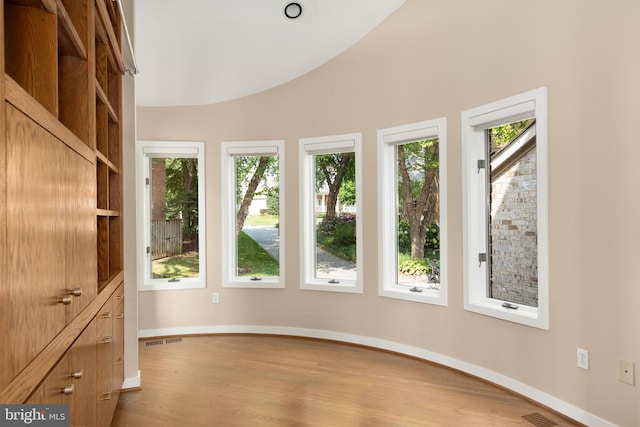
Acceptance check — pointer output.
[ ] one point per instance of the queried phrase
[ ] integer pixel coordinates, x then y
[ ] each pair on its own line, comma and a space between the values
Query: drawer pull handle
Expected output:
105, 340
119, 362
68, 389
76, 292
66, 300
120, 316
118, 296
76, 375
106, 396
106, 315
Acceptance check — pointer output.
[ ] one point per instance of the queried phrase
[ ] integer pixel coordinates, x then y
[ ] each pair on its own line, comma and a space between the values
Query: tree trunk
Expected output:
423, 210
243, 211
335, 184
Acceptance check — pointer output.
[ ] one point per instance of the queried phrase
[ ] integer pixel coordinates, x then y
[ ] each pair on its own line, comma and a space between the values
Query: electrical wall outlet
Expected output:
583, 358
216, 298
626, 371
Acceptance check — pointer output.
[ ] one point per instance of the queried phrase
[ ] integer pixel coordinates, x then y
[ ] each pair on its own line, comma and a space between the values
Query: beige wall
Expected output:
435, 58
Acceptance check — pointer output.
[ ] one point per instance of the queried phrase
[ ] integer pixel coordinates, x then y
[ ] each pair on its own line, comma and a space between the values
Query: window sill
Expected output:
251, 284
348, 287
427, 296
535, 317
165, 285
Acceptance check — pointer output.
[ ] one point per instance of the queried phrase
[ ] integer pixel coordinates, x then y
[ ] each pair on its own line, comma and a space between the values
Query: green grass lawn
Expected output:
184, 265
253, 260
262, 220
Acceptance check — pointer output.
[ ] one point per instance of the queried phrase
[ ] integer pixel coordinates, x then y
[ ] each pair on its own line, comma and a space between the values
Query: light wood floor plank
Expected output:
245, 381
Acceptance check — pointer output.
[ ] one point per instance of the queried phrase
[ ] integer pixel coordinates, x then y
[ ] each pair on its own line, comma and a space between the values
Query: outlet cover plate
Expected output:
583, 358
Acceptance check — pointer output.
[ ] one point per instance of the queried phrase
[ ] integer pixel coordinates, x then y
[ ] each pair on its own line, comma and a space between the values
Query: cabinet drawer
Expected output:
73, 381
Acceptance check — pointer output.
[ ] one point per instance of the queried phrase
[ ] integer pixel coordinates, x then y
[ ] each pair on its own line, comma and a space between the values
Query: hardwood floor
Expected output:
230, 380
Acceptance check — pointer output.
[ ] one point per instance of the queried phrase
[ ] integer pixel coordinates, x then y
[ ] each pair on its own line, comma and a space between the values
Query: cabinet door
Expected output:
56, 389
83, 370
36, 239
72, 381
81, 256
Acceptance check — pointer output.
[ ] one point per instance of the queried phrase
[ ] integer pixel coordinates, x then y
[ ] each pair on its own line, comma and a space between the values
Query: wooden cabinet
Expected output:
110, 355
61, 256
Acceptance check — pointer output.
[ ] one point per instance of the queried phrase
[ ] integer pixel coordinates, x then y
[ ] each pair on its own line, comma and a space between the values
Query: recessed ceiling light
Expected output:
293, 10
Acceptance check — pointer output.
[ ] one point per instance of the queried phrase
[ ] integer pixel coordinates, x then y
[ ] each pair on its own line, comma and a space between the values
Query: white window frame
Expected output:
474, 124
230, 149
388, 140
144, 151
308, 147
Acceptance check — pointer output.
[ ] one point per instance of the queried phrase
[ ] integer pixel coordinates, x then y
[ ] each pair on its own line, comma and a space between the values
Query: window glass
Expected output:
418, 238
174, 218
512, 242
257, 217
335, 232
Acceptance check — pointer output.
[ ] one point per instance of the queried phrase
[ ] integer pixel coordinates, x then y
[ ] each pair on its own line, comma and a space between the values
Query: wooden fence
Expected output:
166, 238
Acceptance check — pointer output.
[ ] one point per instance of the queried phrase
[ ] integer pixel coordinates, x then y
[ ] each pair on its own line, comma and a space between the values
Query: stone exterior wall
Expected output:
514, 235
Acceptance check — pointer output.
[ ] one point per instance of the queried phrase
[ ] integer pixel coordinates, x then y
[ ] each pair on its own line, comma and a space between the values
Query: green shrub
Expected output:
414, 267
338, 236
273, 201
432, 241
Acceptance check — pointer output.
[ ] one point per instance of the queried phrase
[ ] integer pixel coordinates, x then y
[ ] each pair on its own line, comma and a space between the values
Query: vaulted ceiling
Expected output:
193, 52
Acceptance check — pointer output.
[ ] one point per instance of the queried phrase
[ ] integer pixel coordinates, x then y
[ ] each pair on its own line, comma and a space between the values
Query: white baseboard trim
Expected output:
536, 395
133, 382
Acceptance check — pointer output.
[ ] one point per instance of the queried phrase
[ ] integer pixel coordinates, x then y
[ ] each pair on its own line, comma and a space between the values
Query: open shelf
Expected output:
31, 51
46, 54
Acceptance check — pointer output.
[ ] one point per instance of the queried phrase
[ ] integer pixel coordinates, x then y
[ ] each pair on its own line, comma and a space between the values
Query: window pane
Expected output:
512, 229
174, 218
418, 213
257, 216
335, 217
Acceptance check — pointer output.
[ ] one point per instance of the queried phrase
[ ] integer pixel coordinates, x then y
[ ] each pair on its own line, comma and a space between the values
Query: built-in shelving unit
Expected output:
61, 254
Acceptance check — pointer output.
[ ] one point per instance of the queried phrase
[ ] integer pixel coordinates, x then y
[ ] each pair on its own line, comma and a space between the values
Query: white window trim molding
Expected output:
388, 140
145, 150
474, 123
229, 149
308, 147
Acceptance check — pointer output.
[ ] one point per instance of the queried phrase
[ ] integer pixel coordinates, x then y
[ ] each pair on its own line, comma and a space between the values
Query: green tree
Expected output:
419, 189
332, 169
502, 135
182, 196
252, 170
273, 201
347, 193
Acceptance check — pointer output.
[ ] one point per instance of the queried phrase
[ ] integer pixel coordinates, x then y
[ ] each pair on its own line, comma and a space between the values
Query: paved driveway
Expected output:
328, 266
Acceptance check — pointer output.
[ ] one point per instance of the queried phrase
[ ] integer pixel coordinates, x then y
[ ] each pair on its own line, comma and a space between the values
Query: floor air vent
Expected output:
539, 420
167, 341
